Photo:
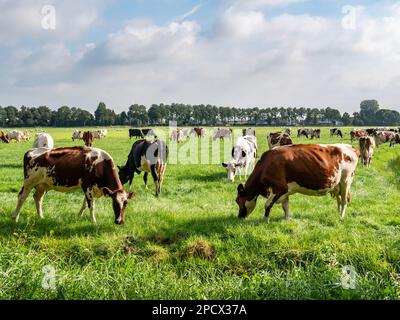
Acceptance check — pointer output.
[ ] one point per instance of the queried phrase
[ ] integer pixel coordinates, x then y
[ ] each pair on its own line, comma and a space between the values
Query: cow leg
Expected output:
285, 206
156, 179
146, 174
83, 208
344, 194
270, 203
23, 194
91, 208
38, 196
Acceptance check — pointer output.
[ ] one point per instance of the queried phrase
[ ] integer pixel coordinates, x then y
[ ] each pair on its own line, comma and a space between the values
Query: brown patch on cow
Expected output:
3, 137
88, 137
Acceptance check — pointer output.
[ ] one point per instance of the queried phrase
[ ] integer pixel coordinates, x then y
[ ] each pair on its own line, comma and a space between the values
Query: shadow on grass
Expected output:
204, 176
11, 166
58, 229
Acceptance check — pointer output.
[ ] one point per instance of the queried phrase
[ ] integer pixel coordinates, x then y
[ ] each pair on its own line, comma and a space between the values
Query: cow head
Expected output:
231, 168
123, 174
246, 202
120, 201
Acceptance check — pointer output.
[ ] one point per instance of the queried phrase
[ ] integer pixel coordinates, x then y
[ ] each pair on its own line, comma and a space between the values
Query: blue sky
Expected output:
225, 52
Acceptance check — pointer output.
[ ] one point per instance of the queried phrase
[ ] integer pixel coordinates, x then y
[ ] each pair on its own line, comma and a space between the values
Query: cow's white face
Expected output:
231, 168
120, 201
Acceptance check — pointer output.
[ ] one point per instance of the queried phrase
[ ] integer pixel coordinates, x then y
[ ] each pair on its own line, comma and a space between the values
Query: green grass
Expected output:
189, 243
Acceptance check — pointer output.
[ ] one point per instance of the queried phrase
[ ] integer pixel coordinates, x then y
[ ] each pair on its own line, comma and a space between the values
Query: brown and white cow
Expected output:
278, 139
177, 135
395, 140
367, 146
384, 137
77, 135
68, 169
88, 137
307, 169
356, 134
3, 137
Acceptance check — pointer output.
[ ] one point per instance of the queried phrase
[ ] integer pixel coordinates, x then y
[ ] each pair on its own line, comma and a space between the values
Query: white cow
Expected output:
177, 135
14, 135
43, 140
244, 154
222, 133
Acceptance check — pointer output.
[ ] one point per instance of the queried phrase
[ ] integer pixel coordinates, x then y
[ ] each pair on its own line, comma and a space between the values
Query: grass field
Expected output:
189, 243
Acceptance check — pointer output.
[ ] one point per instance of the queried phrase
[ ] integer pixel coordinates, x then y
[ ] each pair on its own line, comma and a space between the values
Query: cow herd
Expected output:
285, 169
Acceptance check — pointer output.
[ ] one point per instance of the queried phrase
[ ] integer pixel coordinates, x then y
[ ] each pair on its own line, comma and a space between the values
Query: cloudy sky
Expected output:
240, 53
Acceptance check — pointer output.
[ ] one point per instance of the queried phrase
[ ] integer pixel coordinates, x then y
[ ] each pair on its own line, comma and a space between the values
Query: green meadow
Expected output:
189, 244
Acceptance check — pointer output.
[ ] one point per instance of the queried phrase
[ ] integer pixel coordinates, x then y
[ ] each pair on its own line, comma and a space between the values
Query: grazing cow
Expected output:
149, 157
43, 140
88, 137
367, 145
305, 132
3, 137
77, 135
177, 135
200, 132
336, 132
25, 136
188, 132
249, 132
384, 137
14, 135
222, 133
136, 133
288, 131
356, 134
103, 133
149, 133
307, 169
371, 131
244, 154
96, 134
395, 140
316, 133
278, 139
68, 169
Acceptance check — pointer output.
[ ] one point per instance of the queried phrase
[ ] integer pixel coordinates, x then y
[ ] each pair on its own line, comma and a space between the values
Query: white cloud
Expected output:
246, 60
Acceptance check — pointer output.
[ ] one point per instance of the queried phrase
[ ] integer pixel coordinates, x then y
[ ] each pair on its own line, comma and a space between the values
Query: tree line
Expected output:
196, 115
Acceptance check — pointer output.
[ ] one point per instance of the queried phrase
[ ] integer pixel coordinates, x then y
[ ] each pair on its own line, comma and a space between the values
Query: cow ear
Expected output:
240, 189
131, 195
107, 191
224, 165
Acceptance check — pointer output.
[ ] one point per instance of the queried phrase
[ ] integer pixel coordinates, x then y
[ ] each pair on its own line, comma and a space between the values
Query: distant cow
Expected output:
367, 145
68, 169
14, 135
149, 157
278, 139
316, 133
336, 132
356, 134
136, 133
177, 135
306, 169
3, 137
200, 132
395, 140
221, 133
384, 137
249, 132
305, 132
88, 137
244, 154
288, 131
77, 135
43, 140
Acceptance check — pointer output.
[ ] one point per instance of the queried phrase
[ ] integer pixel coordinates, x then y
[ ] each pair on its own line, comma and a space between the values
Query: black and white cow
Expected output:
149, 157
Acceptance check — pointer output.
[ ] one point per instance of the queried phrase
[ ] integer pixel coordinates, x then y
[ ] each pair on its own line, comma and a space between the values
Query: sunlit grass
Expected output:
189, 243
